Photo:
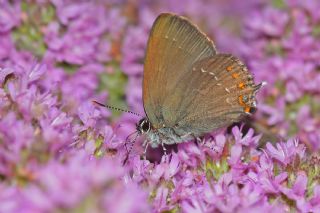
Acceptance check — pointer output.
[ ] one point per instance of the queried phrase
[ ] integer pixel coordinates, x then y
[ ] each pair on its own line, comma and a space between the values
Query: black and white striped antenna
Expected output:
117, 109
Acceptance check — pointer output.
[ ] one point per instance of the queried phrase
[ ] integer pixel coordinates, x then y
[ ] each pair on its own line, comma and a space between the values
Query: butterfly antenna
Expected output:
117, 109
131, 145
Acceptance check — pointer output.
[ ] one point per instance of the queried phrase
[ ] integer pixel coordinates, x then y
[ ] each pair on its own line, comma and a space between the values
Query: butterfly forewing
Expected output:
173, 47
219, 90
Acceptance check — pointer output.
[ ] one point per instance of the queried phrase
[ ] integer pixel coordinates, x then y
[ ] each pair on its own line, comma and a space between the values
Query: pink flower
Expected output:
285, 153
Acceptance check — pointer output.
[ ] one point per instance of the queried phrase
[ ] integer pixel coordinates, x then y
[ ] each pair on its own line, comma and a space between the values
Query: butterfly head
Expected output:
143, 126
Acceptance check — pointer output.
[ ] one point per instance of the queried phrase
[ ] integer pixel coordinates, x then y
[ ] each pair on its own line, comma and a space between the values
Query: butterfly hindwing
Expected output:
217, 91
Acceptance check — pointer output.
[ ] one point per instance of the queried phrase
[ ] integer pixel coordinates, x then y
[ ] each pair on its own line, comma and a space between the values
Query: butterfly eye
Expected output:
144, 126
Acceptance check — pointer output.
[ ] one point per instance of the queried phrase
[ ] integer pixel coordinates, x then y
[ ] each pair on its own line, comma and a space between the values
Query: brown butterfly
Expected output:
190, 89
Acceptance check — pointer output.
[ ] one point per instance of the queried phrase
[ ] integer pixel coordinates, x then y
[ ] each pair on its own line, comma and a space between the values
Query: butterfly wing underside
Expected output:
219, 90
173, 46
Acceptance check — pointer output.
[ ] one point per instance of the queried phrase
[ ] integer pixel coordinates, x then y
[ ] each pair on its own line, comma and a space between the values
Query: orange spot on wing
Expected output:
241, 85
235, 75
229, 68
241, 101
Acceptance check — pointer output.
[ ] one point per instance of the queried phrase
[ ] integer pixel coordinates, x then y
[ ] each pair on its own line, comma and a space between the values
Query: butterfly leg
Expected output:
146, 145
132, 142
164, 149
199, 141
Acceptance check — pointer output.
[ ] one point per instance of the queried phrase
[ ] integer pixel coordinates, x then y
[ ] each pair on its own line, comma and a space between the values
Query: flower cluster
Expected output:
281, 45
59, 152
229, 174
47, 152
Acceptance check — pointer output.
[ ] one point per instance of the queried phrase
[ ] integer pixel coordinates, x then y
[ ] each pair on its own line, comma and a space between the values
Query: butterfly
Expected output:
189, 89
